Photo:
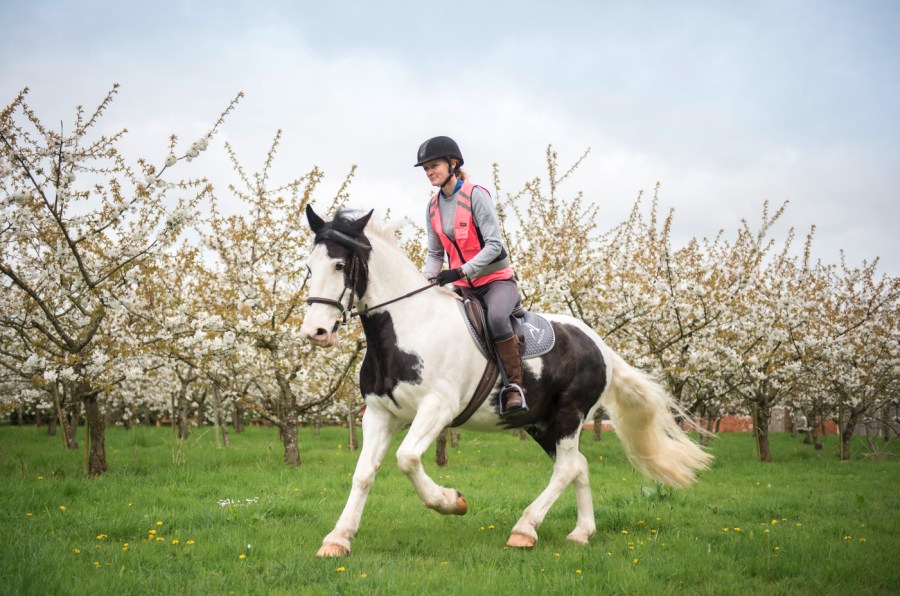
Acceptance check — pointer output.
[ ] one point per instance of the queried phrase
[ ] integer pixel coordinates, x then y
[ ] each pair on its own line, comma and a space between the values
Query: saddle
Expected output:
535, 335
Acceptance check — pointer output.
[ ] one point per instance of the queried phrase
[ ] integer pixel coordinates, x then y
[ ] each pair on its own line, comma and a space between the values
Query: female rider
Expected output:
463, 225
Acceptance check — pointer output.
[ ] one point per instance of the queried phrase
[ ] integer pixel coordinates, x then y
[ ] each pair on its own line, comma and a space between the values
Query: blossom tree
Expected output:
77, 221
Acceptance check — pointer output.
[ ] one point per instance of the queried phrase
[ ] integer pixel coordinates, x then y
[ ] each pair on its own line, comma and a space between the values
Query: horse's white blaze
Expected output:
328, 282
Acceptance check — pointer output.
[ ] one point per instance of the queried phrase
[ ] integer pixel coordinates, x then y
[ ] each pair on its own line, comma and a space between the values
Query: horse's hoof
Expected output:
332, 550
517, 540
462, 507
578, 537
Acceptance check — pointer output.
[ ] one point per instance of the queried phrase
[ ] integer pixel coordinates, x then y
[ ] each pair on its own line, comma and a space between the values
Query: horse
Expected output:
421, 366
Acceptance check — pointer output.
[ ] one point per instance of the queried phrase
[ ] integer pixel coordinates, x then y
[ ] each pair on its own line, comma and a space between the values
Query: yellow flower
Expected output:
578, 571
635, 561
40, 477
77, 551
555, 554
364, 575
190, 542
159, 522
862, 539
625, 532
444, 563
341, 569
724, 529
28, 514
175, 541
130, 504
125, 546
737, 529
62, 507
774, 521
151, 532
101, 536
653, 531
491, 527
159, 538
242, 556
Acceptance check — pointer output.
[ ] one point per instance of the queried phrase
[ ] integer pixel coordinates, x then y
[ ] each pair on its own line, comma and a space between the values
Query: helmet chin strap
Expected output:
449, 176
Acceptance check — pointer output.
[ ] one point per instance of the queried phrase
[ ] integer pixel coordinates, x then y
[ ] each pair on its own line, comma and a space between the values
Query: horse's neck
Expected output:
391, 275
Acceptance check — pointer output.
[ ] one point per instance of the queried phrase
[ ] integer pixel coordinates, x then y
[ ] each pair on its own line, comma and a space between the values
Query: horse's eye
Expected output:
339, 266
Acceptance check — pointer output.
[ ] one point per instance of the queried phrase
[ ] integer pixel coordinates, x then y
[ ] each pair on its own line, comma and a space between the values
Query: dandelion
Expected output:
341, 569
160, 539
28, 514
242, 556
724, 529
96, 564
175, 541
491, 527
862, 539
555, 554
774, 521
77, 551
40, 477
131, 504
737, 529
364, 575
798, 524
62, 507
101, 536
777, 548
578, 571
444, 563
609, 553
190, 542
125, 546
848, 537
159, 523
151, 532
653, 531
635, 561
625, 532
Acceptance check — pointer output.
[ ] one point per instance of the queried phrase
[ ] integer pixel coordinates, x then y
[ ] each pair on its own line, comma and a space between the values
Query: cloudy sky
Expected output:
726, 104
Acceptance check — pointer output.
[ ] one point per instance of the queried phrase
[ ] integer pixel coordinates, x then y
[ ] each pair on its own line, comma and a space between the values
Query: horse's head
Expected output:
338, 267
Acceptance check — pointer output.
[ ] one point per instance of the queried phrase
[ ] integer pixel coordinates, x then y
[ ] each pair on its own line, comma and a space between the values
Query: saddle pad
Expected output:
539, 335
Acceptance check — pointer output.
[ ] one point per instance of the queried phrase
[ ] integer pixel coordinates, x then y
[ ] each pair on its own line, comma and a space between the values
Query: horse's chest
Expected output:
386, 364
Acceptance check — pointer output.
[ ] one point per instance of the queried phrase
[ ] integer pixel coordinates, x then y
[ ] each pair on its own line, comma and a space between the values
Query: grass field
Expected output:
805, 524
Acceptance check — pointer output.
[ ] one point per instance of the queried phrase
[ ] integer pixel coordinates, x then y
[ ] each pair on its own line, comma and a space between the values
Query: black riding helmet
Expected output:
437, 148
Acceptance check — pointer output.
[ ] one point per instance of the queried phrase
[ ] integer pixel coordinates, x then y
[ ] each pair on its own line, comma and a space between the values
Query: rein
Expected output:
350, 311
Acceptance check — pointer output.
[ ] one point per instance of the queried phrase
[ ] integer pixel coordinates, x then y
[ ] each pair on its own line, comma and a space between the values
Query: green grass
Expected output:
808, 523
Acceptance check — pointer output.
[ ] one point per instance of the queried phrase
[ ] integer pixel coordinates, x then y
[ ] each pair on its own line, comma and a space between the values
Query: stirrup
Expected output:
515, 411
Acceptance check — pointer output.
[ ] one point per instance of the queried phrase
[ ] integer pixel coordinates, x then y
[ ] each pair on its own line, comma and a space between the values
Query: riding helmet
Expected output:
438, 147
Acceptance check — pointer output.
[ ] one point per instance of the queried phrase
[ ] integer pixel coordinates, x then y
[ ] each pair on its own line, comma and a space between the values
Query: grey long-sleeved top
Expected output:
485, 217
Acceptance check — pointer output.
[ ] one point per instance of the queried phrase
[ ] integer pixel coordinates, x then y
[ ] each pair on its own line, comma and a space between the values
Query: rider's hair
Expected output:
460, 173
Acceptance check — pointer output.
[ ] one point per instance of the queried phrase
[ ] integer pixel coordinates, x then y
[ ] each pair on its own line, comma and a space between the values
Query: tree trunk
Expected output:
441, 450
352, 440
847, 433
288, 432
598, 424
238, 417
761, 416
51, 425
96, 464
818, 431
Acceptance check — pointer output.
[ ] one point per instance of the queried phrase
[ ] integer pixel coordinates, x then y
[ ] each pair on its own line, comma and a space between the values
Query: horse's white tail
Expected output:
642, 412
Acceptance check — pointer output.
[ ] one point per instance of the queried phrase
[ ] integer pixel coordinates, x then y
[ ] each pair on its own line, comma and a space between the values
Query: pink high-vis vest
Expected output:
466, 243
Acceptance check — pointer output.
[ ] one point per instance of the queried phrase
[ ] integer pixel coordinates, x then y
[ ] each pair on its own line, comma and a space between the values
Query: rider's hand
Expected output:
448, 277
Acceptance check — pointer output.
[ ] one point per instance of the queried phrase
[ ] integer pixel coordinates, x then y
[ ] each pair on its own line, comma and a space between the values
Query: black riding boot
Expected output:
513, 394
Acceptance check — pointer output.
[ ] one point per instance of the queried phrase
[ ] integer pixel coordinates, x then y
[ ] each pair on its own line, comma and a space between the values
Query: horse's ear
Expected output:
360, 224
316, 223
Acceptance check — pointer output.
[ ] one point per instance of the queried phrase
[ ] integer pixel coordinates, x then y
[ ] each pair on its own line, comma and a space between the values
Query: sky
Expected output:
725, 104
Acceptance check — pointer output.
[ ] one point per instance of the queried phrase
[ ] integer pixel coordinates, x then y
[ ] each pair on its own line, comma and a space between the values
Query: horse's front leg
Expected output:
378, 426
431, 418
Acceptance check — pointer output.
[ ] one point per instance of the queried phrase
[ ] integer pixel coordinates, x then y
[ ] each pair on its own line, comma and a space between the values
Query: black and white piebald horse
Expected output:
421, 367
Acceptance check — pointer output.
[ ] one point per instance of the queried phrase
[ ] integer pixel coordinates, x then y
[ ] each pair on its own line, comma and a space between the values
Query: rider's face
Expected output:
437, 171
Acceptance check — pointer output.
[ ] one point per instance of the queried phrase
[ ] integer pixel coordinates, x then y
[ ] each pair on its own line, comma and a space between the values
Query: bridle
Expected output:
350, 311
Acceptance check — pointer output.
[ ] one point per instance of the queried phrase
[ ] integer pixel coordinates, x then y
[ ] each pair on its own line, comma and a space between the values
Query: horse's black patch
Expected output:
385, 364
573, 376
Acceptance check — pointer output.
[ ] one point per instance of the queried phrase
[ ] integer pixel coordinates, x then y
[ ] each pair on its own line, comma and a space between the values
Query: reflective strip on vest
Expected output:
466, 243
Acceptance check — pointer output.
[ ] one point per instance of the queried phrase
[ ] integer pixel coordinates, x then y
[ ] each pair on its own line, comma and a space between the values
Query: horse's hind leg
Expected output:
378, 427
569, 466
430, 420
